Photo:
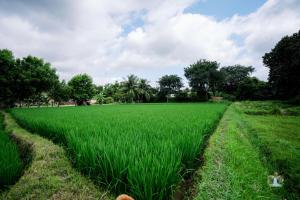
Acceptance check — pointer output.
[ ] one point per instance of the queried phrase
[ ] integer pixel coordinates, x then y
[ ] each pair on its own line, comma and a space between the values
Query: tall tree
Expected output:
114, 90
169, 84
250, 88
130, 87
60, 92
284, 64
110, 89
203, 77
233, 76
81, 89
35, 76
7, 76
144, 90
24, 79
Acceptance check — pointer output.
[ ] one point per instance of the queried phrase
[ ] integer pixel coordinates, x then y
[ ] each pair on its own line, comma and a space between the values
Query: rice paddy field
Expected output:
10, 162
142, 150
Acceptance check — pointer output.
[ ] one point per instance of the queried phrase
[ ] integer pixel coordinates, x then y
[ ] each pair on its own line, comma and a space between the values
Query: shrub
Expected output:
108, 100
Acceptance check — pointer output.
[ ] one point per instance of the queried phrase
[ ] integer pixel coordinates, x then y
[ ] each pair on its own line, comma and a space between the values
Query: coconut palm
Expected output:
130, 87
144, 89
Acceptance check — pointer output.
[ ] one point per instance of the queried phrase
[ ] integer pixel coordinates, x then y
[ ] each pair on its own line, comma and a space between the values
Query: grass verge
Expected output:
278, 138
50, 174
233, 168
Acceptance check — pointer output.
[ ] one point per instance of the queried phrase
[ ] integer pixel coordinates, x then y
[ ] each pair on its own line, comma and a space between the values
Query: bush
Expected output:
108, 100
295, 100
275, 111
228, 97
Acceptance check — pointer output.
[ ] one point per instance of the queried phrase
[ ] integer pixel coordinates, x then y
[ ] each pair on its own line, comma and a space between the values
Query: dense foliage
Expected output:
169, 85
60, 92
284, 64
203, 77
233, 76
7, 76
32, 81
139, 149
10, 162
24, 80
81, 88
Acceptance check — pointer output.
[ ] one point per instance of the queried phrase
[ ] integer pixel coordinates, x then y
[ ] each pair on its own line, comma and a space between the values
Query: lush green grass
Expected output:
49, 175
253, 140
139, 149
269, 108
278, 139
10, 162
232, 168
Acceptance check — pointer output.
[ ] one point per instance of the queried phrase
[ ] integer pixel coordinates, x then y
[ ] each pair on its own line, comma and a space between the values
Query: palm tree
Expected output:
130, 87
144, 89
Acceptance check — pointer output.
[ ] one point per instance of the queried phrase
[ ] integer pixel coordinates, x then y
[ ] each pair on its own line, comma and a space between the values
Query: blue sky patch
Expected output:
135, 22
221, 9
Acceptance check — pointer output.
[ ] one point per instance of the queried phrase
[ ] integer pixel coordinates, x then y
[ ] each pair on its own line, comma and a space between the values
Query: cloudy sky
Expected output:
109, 39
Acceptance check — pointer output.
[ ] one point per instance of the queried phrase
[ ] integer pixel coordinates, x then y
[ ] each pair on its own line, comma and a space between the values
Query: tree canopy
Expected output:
81, 89
203, 76
284, 64
169, 84
24, 80
32, 81
130, 87
7, 76
59, 92
233, 76
144, 90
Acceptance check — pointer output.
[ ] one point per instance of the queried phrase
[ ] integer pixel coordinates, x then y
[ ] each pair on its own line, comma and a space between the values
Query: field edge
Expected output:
229, 158
49, 175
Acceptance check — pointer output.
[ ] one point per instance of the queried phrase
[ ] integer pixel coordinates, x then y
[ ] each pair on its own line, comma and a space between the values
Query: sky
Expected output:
111, 39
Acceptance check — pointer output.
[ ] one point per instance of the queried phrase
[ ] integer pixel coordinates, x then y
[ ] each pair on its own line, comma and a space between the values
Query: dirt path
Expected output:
187, 189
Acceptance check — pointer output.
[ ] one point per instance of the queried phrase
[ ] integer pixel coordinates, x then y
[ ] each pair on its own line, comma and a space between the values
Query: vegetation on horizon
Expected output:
32, 81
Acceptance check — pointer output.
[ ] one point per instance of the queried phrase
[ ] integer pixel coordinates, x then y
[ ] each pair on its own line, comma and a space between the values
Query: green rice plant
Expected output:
142, 150
10, 162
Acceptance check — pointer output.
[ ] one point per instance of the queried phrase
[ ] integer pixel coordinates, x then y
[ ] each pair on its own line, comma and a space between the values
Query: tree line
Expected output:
32, 81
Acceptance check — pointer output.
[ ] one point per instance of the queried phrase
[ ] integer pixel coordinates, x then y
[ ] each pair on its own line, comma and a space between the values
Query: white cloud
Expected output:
262, 29
88, 36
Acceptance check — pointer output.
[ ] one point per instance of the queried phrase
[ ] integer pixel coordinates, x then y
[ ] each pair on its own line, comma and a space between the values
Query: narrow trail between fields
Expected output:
49, 175
188, 187
228, 171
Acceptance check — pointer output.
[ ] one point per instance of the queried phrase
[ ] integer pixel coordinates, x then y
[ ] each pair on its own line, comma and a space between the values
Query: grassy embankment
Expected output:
275, 129
50, 174
10, 162
252, 141
142, 150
